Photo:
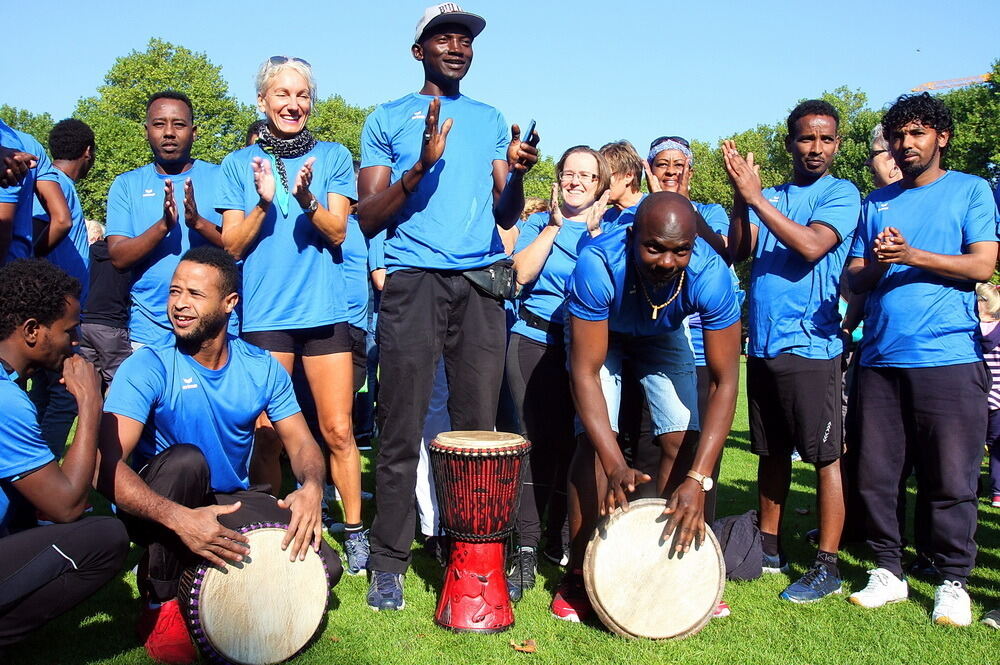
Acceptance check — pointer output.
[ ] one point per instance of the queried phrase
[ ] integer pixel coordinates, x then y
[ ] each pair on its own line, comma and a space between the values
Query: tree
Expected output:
975, 147
333, 119
117, 112
38, 125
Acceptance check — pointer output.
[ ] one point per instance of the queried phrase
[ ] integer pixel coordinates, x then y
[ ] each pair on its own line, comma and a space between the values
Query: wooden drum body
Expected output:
478, 480
640, 587
262, 610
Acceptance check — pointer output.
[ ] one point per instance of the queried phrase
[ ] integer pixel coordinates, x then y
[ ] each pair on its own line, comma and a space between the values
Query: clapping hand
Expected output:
744, 173
169, 205
302, 181
263, 178
434, 137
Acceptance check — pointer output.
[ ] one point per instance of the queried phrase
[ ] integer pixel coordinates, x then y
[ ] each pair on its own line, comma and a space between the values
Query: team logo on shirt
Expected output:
148, 192
883, 206
417, 115
189, 383
774, 199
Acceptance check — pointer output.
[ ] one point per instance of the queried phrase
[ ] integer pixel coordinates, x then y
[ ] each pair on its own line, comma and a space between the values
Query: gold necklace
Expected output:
657, 308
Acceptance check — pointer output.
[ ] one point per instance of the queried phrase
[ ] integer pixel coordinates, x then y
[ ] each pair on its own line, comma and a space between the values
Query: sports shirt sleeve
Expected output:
591, 289
120, 221
281, 402
45, 169
376, 252
229, 193
529, 230
376, 144
503, 138
138, 386
716, 218
340, 176
714, 298
980, 222
839, 209
22, 448
862, 241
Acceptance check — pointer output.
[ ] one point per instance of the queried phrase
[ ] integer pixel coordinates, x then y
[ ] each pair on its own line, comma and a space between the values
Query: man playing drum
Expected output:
629, 295
184, 411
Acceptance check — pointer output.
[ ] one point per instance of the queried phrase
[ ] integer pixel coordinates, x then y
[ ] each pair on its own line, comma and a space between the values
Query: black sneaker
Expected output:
557, 553
521, 572
992, 618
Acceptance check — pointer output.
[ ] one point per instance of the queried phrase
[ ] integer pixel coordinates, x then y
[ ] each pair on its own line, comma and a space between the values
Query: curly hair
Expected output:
811, 107
209, 255
924, 108
33, 289
69, 138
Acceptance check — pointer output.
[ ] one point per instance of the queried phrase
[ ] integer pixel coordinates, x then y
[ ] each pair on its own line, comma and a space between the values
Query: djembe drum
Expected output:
478, 480
640, 587
261, 610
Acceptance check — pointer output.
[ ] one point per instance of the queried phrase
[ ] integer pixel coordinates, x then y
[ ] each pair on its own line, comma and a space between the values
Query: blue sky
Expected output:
587, 71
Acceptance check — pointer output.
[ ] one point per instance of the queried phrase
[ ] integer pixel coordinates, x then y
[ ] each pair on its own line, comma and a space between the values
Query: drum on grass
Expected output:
640, 587
478, 481
259, 611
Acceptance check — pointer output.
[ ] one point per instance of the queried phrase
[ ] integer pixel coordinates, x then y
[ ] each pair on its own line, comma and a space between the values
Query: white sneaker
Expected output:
883, 587
952, 606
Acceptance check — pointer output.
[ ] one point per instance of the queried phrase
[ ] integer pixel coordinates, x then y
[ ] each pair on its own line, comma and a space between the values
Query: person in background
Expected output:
988, 304
627, 169
104, 337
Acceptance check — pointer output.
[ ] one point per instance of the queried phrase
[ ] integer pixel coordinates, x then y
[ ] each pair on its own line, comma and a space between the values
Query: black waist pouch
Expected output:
496, 281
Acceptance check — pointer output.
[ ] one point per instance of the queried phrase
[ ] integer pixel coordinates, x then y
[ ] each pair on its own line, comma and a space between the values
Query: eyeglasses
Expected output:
282, 59
583, 177
875, 153
676, 139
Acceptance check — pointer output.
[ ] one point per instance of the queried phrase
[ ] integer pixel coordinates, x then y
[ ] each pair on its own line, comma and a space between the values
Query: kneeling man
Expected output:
629, 295
184, 411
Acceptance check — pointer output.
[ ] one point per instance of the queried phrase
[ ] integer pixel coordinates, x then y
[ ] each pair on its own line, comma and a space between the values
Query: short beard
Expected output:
913, 171
207, 328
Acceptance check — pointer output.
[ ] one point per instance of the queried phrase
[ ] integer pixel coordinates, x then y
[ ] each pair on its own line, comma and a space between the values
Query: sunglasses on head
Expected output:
676, 139
282, 59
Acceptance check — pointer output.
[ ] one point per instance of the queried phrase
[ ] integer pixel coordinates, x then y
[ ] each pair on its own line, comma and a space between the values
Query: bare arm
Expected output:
528, 263
378, 279
60, 222
239, 228
126, 252
742, 234
975, 265
508, 193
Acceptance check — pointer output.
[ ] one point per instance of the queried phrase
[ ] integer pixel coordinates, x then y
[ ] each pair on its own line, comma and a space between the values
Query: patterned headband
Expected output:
670, 144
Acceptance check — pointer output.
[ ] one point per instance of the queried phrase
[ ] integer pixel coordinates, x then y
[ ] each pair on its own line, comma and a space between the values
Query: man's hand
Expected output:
200, 530
891, 247
14, 165
81, 379
302, 181
169, 205
744, 174
263, 179
521, 155
595, 213
620, 481
306, 528
686, 515
434, 137
653, 183
191, 215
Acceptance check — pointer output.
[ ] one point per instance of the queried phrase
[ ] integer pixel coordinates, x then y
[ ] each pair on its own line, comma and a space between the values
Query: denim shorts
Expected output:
665, 367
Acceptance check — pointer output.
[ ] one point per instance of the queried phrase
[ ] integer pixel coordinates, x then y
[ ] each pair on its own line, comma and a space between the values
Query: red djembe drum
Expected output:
478, 479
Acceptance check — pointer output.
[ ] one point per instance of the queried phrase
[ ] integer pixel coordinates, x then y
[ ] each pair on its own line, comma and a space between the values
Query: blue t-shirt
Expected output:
22, 243
292, 277
448, 222
913, 317
621, 216
135, 203
793, 302
604, 287
182, 401
72, 254
546, 296
22, 448
355, 250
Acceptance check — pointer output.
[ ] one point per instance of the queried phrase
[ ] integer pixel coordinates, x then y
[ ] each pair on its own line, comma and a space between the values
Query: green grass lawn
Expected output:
761, 630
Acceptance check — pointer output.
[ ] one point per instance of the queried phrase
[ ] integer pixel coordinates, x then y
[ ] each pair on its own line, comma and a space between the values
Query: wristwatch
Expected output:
312, 207
706, 482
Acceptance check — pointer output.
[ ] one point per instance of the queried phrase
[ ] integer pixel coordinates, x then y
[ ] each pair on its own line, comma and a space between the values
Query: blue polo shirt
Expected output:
546, 296
292, 277
22, 448
793, 302
135, 203
355, 251
448, 222
72, 254
182, 401
913, 317
22, 242
604, 287
622, 216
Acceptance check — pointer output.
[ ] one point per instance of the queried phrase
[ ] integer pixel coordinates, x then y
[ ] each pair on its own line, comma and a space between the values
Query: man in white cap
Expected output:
440, 191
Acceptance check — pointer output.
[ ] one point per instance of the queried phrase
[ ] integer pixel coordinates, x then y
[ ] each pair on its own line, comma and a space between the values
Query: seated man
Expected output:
184, 411
46, 570
618, 279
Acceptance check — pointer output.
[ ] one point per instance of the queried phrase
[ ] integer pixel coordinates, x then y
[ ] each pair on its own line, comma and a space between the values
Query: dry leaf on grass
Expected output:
527, 646
334, 638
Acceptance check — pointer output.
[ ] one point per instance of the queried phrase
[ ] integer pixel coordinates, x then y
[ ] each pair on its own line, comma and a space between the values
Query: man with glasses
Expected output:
439, 189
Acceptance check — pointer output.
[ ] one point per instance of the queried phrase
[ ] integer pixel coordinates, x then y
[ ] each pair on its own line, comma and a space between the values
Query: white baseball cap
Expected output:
448, 12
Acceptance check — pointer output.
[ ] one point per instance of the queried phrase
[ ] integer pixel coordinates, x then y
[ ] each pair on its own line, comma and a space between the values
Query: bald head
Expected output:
666, 215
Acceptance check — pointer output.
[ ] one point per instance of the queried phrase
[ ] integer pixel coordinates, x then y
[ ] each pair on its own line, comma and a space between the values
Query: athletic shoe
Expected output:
721, 610
923, 568
883, 587
521, 573
996, 501
774, 564
816, 584
571, 602
356, 548
385, 591
796, 456
992, 619
165, 635
952, 606
557, 554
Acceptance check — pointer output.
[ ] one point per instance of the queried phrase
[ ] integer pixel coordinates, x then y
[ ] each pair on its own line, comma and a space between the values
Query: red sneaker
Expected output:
165, 635
996, 501
721, 610
571, 602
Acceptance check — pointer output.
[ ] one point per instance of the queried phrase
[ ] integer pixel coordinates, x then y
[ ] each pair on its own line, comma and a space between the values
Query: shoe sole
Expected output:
572, 618
402, 605
813, 600
784, 570
947, 621
991, 622
855, 601
359, 573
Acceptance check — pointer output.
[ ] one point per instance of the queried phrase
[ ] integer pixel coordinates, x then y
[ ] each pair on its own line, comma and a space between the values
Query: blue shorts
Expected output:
665, 367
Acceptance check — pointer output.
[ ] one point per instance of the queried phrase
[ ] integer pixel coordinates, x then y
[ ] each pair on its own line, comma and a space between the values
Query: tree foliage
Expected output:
25, 121
333, 119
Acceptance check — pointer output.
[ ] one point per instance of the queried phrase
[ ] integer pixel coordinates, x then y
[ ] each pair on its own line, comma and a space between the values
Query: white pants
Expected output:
437, 421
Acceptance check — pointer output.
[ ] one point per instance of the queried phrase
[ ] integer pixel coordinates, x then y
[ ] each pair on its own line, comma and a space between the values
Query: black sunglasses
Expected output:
677, 139
282, 59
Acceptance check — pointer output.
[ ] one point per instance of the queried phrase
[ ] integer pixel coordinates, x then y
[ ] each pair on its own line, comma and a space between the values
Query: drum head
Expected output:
472, 440
640, 587
266, 608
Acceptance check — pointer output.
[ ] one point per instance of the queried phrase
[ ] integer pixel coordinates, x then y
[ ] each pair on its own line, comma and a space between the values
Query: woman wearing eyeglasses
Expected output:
544, 257
284, 203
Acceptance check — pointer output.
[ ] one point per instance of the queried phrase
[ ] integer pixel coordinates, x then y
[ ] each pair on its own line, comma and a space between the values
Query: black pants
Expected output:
423, 314
538, 380
934, 417
48, 570
180, 473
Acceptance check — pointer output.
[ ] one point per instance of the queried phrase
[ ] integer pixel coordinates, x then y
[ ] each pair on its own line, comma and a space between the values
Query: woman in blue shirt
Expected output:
544, 257
285, 201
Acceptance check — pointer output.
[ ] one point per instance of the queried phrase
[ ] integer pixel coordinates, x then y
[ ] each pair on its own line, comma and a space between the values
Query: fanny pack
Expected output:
497, 281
